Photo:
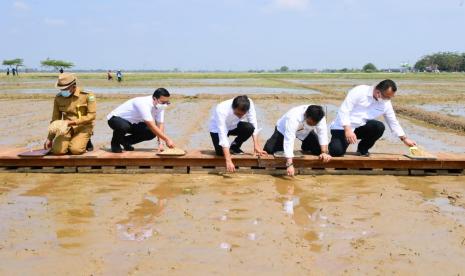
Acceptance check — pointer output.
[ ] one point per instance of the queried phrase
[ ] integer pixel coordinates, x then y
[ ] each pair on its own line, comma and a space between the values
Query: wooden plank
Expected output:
196, 159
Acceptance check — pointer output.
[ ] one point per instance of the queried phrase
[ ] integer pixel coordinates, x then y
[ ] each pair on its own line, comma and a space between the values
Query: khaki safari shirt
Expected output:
79, 107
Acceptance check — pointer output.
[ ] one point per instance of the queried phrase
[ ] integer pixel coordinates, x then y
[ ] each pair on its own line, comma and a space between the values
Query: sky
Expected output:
229, 34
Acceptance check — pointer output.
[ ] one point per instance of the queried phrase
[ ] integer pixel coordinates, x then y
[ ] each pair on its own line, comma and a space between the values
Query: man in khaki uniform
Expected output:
78, 108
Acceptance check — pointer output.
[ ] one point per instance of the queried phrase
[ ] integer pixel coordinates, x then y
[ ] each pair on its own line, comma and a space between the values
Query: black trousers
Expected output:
368, 134
309, 144
243, 131
137, 132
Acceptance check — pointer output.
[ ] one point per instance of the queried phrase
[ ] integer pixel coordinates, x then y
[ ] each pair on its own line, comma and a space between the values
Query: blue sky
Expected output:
229, 34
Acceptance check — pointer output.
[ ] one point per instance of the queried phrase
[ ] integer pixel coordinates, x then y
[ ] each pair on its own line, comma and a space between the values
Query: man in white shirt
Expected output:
356, 119
308, 124
234, 117
142, 118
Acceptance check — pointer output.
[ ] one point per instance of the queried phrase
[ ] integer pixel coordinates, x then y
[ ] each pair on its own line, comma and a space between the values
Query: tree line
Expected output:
47, 63
442, 61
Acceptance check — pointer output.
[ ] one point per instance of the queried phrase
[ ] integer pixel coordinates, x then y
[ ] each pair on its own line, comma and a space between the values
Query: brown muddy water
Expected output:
81, 224
24, 126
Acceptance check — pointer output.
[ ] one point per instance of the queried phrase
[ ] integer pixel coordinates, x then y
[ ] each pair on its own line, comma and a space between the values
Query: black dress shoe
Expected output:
363, 154
116, 148
89, 146
128, 148
236, 151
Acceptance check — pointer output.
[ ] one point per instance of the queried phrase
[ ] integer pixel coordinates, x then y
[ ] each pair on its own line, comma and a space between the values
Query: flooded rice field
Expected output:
139, 224
242, 224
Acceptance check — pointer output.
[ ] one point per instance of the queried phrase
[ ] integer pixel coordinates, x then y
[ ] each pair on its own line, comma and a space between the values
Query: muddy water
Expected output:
187, 123
124, 224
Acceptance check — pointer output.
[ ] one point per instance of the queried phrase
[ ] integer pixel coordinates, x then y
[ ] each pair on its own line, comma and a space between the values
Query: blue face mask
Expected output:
65, 93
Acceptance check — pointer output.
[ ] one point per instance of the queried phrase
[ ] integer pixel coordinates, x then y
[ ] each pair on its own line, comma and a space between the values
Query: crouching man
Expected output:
140, 119
234, 117
356, 119
308, 124
77, 108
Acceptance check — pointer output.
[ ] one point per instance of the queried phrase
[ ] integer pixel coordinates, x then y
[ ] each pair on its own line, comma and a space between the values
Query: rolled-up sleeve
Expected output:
391, 120
321, 130
289, 137
220, 119
252, 117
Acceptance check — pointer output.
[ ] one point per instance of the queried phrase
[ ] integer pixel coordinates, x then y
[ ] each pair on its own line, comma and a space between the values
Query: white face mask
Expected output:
161, 106
65, 93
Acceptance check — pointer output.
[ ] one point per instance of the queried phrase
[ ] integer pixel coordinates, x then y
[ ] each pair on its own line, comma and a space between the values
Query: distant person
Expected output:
119, 75
61, 70
7, 71
78, 108
143, 119
13, 71
306, 123
109, 76
356, 119
234, 117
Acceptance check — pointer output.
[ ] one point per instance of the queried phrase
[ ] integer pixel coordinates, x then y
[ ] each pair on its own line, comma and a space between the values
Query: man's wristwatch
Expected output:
403, 138
288, 165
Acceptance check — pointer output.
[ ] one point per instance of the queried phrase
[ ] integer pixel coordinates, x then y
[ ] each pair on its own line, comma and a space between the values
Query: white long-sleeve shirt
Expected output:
137, 110
292, 125
223, 120
360, 106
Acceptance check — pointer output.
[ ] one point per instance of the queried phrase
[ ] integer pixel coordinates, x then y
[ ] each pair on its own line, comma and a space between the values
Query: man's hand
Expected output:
48, 144
169, 143
325, 158
291, 170
259, 152
160, 146
70, 123
408, 142
230, 167
351, 138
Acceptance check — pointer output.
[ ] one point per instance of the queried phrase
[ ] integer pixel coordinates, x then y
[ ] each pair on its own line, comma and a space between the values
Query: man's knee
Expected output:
59, 150
336, 150
247, 127
378, 127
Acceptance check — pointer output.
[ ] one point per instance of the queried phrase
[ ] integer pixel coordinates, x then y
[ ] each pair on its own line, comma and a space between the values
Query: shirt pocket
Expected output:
81, 109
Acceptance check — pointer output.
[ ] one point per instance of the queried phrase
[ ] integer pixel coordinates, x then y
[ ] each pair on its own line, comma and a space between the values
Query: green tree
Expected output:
283, 69
56, 64
13, 63
369, 67
443, 61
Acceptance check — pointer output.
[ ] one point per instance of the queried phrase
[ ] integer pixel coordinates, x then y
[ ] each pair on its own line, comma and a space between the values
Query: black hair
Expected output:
315, 112
161, 92
385, 85
242, 103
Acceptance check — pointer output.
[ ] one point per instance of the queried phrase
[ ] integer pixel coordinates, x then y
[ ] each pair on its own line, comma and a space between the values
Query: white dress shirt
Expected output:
138, 110
223, 120
360, 106
292, 125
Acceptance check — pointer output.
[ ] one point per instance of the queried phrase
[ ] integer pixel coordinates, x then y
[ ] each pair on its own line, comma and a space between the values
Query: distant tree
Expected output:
369, 67
13, 63
443, 61
56, 64
283, 69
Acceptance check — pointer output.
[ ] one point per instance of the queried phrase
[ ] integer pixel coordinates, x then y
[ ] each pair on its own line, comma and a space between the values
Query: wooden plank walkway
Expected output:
146, 160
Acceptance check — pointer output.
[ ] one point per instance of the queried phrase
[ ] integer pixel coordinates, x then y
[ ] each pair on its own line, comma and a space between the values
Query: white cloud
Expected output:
296, 5
20, 5
54, 22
